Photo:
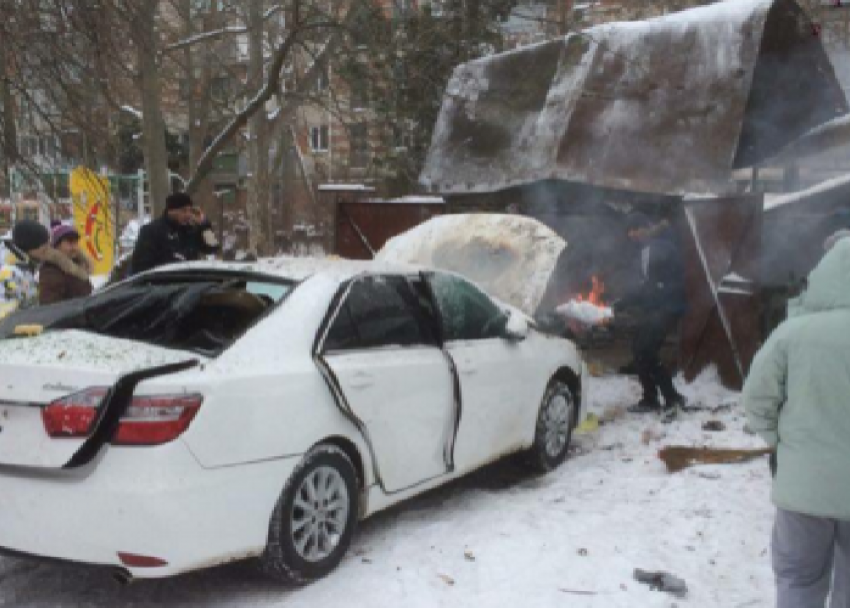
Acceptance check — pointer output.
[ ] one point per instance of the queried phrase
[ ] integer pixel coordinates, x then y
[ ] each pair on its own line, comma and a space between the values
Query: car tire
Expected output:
554, 429
310, 531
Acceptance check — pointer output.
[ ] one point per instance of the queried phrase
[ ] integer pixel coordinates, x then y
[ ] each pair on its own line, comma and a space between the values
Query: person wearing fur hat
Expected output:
181, 234
65, 269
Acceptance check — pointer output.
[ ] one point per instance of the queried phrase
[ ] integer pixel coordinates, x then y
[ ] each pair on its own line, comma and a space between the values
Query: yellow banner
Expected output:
93, 217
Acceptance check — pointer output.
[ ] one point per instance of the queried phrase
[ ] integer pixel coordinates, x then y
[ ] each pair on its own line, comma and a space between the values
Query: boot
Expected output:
671, 408
644, 406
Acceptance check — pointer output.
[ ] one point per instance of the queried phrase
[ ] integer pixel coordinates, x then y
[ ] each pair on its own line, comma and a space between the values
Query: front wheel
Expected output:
554, 428
314, 520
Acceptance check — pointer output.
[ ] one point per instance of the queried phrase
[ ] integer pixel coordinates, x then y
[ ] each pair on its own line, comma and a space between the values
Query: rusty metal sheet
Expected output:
669, 105
722, 326
362, 228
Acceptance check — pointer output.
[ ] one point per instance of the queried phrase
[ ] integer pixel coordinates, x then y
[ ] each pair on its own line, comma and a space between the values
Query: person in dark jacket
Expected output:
181, 234
658, 304
65, 269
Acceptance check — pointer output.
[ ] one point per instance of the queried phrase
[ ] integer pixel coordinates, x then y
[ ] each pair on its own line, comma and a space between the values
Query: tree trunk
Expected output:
153, 125
199, 103
259, 182
10, 135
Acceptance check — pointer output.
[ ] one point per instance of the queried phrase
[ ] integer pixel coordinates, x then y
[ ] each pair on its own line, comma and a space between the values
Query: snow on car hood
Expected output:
75, 349
509, 256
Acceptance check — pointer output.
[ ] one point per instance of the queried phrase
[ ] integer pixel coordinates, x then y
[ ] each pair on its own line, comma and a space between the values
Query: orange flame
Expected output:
595, 295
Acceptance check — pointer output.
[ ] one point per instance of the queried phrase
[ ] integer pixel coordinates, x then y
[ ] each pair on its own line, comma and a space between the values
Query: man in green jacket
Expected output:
797, 397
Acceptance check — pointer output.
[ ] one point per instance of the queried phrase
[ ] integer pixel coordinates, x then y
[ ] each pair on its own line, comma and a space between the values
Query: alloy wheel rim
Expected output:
557, 423
319, 514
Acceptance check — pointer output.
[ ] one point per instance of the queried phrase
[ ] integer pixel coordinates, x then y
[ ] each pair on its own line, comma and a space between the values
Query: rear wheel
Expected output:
315, 518
554, 429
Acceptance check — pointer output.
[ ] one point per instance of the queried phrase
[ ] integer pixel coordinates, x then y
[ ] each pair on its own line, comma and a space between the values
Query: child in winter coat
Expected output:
65, 269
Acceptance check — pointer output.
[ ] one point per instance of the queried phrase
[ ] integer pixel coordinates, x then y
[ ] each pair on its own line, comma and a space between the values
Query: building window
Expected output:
401, 8
319, 138
359, 92
359, 145
322, 80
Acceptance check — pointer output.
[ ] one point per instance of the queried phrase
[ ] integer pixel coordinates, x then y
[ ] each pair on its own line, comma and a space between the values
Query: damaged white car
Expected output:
211, 412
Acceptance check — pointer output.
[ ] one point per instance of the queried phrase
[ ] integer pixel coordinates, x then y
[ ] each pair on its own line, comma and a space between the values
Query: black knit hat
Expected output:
28, 235
178, 200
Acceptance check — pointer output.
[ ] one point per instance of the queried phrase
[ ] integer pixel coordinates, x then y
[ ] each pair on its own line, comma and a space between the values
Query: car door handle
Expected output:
361, 380
468, 370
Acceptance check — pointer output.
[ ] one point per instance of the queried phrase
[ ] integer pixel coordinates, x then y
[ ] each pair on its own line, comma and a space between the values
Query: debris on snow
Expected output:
678, 458
662, 581
577, 592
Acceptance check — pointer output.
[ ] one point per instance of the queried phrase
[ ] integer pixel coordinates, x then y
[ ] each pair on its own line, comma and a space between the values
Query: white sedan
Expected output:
210, 412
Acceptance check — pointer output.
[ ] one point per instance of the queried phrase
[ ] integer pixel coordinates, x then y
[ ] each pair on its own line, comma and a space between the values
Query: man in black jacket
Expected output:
658, 304
181, 234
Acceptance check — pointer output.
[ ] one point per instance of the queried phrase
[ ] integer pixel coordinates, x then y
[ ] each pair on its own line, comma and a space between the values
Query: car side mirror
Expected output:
516, 327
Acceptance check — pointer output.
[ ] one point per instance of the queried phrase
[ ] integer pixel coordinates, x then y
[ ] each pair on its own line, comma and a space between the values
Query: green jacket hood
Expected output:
829, 282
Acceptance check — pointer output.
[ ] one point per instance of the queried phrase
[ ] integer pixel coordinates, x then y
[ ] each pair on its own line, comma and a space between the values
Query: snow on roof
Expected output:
667, 105
772, 202
345, 188
133, 111
295, 268
409, 200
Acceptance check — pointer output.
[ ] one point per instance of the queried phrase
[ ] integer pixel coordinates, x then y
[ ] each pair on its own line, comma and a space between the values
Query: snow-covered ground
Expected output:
501, 538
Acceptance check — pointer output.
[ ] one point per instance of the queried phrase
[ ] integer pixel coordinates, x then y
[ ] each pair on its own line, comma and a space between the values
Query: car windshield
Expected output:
200, 312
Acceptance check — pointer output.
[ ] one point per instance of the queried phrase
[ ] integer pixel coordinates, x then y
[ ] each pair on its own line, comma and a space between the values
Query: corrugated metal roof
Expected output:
667, 106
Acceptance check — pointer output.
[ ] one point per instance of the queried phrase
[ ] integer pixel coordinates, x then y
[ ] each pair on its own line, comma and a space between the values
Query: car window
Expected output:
380, 312
273, 291
343, 335
466, 312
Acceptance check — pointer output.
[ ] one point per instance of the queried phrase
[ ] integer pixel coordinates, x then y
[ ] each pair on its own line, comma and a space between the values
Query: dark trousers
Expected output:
646, 348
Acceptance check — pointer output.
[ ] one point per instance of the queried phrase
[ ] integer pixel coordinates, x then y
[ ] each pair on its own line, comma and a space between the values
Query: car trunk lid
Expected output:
37, 371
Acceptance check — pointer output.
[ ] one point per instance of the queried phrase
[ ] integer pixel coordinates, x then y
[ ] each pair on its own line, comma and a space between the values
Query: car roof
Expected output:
296, 269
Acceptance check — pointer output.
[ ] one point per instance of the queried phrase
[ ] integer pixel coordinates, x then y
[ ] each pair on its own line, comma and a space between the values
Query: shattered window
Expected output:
466, 312
378, 312
202, 313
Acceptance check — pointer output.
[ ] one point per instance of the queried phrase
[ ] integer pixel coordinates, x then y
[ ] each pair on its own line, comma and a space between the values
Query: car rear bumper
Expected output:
151, 502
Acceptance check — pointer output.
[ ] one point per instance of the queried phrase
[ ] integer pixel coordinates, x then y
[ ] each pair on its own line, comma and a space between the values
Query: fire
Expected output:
595, 295
586, 310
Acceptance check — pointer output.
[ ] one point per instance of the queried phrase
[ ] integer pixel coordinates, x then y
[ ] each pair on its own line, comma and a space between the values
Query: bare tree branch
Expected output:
271, 86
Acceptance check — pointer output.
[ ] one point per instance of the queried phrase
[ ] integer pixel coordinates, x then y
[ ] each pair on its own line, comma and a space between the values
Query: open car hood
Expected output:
509, 256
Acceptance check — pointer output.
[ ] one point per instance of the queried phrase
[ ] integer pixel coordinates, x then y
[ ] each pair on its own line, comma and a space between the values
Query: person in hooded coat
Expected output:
658, 304
65, 269
181, 234
797, 398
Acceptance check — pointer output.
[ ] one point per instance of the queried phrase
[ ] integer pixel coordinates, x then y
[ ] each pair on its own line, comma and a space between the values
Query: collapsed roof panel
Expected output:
667, 105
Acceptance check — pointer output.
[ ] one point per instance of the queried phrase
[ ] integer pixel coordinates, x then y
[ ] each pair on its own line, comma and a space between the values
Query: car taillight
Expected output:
155, 420
73, 415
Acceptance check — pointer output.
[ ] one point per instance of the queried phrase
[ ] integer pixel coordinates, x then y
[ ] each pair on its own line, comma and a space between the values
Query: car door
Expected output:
396, 381
491, 368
